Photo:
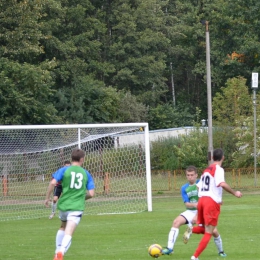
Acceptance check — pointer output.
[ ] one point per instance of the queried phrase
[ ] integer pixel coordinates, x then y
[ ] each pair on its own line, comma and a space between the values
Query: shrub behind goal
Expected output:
117, 155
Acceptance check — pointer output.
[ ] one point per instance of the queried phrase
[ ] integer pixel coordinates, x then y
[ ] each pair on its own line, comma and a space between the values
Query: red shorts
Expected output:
208, 211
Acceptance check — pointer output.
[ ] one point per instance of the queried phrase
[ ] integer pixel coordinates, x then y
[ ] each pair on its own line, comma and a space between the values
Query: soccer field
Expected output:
123, 237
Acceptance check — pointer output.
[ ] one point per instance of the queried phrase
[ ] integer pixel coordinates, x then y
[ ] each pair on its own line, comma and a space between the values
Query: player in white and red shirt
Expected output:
211, 183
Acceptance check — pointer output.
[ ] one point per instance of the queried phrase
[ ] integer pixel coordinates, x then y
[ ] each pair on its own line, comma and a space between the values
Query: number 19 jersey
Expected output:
209, 183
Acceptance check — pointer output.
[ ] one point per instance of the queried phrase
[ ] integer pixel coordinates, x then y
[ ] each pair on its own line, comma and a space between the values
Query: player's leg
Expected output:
208, 212
53, 207
56, 194
193, 229
60, 235
218, 243
182, 219
191, 216
73, 219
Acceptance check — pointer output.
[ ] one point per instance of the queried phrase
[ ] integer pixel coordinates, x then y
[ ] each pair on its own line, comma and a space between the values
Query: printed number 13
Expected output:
76, 180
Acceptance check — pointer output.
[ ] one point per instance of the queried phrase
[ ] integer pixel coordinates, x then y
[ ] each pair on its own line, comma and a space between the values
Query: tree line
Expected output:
106, 61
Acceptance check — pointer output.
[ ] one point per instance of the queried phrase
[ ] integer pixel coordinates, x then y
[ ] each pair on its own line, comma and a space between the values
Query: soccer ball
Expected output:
155, 250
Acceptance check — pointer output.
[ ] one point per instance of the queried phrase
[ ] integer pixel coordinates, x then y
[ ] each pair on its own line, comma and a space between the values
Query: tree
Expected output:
232, 103
136, 46
130, 110
26, 83
20, 31
25, 92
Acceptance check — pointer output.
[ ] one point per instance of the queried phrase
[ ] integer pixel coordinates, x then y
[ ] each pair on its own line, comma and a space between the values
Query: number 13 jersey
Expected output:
75, 181
210, 181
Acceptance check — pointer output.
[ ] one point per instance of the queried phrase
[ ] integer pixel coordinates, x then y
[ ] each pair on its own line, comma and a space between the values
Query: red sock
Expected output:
198, 230
203, 244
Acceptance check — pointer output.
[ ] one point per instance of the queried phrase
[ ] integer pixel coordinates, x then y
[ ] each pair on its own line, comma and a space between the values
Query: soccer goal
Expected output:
117, 155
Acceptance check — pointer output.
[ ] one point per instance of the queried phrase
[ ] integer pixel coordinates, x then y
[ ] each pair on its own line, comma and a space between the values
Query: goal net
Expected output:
117, 156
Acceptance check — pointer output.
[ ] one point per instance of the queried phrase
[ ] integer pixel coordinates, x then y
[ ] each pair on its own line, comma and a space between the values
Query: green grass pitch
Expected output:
123, 237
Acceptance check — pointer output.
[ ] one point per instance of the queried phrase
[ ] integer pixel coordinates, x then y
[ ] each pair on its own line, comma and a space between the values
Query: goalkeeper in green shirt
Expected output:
78, 186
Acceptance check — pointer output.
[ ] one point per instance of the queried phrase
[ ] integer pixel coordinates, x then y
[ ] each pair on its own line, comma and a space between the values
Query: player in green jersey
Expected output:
78, 186
189, 193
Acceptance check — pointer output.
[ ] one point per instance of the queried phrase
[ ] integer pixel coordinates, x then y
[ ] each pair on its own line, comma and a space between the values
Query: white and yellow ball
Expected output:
155, 250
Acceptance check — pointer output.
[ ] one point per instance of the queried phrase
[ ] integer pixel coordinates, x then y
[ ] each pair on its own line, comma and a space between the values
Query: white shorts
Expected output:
189, 215
74, 216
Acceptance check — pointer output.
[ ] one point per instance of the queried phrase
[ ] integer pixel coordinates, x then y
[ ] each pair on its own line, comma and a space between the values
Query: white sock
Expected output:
67, 248
66, 242
59, 236
173, 234
218, 243
54, 206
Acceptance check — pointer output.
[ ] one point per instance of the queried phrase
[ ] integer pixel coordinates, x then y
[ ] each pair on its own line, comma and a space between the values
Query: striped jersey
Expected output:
189, 193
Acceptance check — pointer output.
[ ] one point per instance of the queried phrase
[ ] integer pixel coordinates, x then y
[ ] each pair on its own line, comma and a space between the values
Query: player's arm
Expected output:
90, 187
227, 188
190, 205
186, 200
51, 186
89, 194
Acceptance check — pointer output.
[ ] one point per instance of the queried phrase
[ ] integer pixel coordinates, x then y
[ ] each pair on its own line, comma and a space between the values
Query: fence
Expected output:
171, 181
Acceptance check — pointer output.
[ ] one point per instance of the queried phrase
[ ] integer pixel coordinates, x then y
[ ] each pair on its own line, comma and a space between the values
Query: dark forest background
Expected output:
83, 61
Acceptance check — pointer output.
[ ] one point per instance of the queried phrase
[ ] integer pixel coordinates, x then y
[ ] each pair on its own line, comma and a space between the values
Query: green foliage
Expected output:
130, 110
225, 138
20, 31
147, 49
167, 116
25, 92
232, 103
137, 45
162, 154
243, 156
192, 149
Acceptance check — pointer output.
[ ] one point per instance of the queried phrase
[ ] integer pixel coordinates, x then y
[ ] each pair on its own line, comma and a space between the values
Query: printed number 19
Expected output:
76, 180
205, 183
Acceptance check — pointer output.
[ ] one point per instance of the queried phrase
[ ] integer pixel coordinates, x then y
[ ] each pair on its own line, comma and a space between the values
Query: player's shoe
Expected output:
222, 254
59, 256
52, 215
186, 235
167, 251
194, 258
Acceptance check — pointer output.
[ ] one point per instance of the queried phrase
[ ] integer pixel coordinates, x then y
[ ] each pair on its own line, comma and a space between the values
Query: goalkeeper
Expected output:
56, 194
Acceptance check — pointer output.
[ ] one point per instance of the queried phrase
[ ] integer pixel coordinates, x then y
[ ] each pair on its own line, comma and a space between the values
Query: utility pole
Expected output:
255, 87
209, 94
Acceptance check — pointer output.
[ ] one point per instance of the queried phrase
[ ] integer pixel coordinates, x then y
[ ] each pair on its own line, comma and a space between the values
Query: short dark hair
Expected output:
218, 154
191, 168
66, 162
77, 154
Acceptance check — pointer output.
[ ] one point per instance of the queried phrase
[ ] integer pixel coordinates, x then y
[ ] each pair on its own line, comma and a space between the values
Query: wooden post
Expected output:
169, 181
234, 178
174, 179
5, 186
106, 183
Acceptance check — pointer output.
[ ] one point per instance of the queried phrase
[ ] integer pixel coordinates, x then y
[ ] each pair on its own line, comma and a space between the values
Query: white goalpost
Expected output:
117, 155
